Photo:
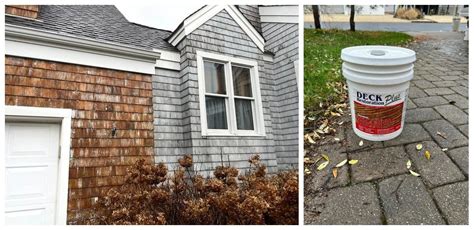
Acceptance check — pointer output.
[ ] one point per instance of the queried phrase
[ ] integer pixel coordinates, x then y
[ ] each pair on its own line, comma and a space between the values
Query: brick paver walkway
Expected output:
379, 189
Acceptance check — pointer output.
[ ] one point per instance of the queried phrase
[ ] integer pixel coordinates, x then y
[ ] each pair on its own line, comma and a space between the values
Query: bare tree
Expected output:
317, 21
351, 19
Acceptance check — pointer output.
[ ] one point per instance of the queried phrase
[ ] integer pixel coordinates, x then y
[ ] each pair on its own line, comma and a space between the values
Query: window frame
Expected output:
257, 108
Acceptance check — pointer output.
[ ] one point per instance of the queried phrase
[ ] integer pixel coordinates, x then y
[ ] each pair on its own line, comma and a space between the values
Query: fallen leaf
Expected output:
444, 150
419, 147
361, 143
307, 160
337, 139
408, 164
335, 114
414, 173
334, 172
317, 160
315, 134
323, 165
326, 130
342, 163
340, 123
310, 140
325, 157
441, 134
427, 154
353, 162
306, 171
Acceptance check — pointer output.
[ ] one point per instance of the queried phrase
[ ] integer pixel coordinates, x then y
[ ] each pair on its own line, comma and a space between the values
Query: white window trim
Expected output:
25, 113
258, 119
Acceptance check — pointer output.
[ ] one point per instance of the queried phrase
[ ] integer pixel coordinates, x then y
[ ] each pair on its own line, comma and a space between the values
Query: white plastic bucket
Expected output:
378, 78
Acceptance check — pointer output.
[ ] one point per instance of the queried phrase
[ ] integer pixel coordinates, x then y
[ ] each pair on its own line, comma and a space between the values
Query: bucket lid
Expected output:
378, 55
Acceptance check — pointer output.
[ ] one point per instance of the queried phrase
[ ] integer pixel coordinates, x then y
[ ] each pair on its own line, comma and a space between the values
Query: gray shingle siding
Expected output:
176, 98
252, 14
220, 35
282, 40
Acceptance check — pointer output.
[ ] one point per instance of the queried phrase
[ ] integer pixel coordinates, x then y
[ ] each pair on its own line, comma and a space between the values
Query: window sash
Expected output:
230, 97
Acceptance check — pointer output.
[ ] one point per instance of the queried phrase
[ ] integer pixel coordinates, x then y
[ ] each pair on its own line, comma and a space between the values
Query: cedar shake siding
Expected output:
282, 40
101, 99
27, 11
182, 126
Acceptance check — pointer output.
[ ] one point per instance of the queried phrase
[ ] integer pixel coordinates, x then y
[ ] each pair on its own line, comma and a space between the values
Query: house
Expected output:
88, 93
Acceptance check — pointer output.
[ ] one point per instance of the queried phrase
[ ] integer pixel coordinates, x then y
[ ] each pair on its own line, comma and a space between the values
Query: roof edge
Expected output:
36, 36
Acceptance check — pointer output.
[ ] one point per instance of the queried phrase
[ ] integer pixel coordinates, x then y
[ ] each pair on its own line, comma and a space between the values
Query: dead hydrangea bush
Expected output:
150, 195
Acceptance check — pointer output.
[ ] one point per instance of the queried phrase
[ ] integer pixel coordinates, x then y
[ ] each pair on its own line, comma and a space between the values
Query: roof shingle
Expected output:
100, 22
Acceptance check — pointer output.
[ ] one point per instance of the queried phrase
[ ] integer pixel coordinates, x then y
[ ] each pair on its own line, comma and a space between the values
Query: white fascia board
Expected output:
168, 60
206, 13
46, 45
279, 14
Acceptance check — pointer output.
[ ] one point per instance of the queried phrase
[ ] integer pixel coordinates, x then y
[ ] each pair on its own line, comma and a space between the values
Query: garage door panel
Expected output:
30, 184
30, 215
31, 172
32, 140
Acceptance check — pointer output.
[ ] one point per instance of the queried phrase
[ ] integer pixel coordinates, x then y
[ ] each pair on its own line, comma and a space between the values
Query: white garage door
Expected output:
32, 157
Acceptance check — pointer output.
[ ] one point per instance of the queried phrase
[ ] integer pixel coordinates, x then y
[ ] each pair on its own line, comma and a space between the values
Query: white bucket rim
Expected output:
378, 55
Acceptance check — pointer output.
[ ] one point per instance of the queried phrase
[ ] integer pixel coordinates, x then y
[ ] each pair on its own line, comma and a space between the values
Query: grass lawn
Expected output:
322, 62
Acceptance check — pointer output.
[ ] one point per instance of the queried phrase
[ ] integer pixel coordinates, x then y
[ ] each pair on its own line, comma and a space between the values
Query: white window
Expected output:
229, 96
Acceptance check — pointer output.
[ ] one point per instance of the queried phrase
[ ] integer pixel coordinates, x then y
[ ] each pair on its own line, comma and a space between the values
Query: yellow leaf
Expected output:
408, 164
335, 114
334, 172
307, 160
353, 162
361, 143
310, 140
323, 165
306, 170
419, 147
325, 157
427, 154
414, 173
342, 163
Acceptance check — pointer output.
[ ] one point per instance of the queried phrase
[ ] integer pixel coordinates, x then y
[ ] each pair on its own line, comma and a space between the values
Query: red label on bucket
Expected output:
378, 119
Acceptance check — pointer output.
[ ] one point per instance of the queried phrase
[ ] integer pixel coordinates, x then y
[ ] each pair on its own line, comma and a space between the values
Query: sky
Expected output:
166, 17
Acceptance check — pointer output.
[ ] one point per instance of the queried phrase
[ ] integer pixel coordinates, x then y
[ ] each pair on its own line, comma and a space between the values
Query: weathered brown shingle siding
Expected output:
27, 11
101, 99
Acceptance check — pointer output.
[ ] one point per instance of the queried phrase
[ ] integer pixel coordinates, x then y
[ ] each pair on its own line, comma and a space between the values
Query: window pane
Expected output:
243, 112
242, 83
214, 77
216, 113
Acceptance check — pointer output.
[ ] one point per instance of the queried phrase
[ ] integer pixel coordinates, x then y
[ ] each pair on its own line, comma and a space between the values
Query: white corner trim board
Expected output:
62, 116
168, 59
204, 14
279, 14
40, 44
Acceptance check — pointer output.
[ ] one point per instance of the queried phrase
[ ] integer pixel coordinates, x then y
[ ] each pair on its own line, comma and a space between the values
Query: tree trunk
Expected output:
317, 22
351, 19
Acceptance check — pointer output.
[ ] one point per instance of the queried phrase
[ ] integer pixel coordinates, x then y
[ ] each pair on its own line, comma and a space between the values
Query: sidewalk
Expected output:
378, 18
379, 188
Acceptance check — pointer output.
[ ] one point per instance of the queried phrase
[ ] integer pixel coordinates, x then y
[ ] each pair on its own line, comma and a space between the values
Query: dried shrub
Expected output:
408, 13
152, 196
